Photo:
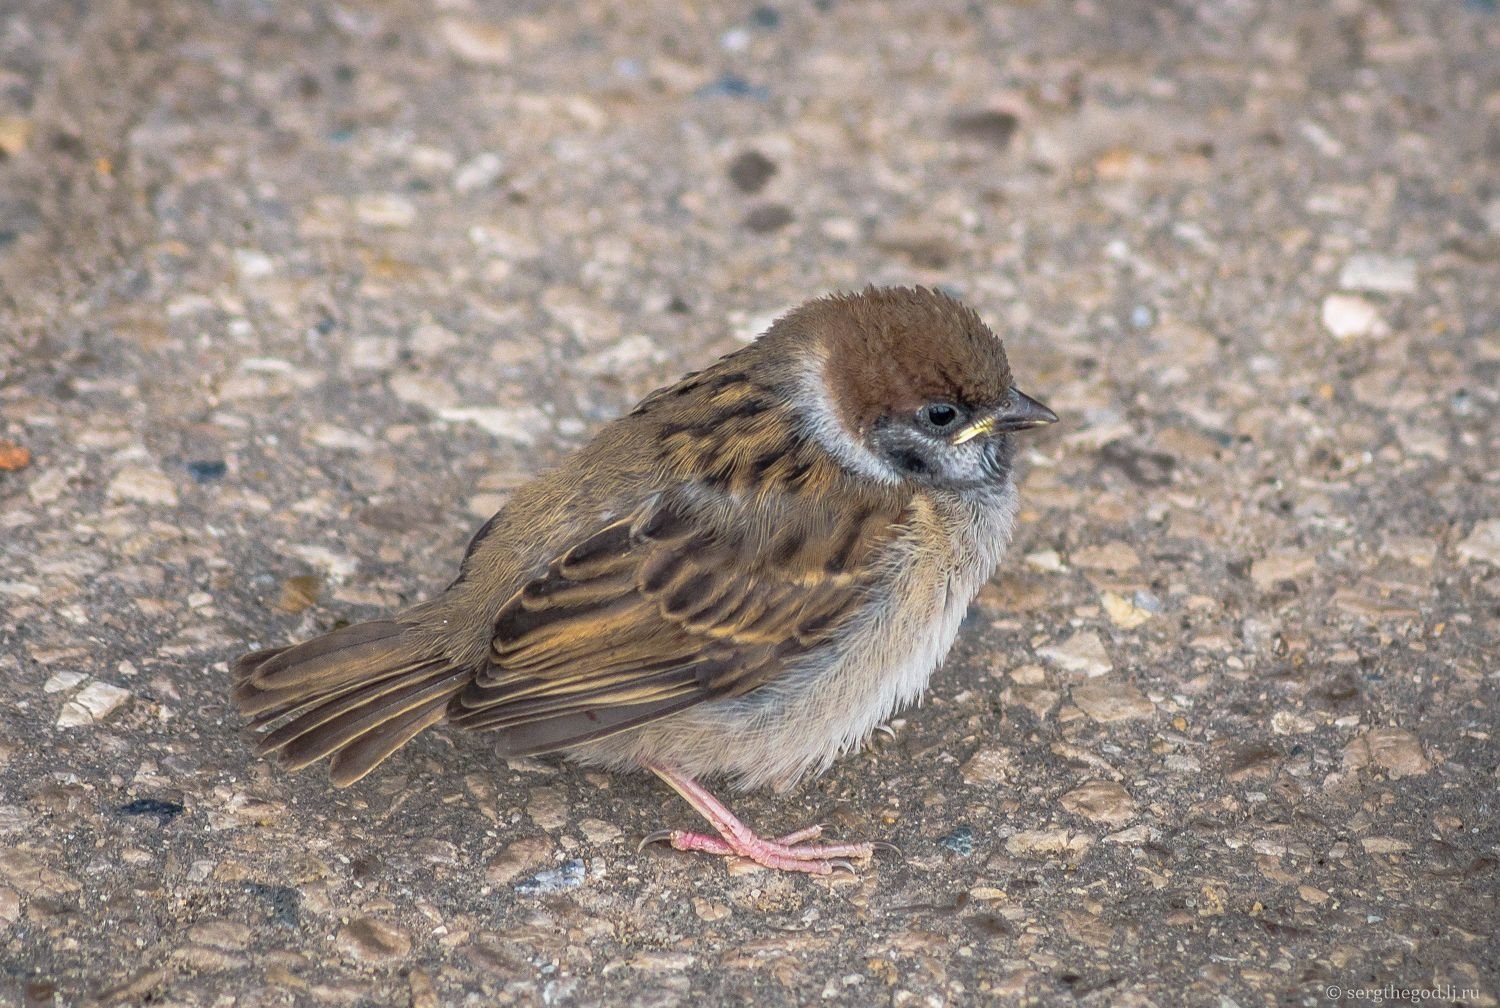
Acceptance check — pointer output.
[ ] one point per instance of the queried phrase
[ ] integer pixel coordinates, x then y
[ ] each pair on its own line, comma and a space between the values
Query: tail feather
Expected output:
272, 679
298, 744
357, 695
367, 751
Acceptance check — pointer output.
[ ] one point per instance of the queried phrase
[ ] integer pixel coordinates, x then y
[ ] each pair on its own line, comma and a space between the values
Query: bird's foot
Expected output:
788, 853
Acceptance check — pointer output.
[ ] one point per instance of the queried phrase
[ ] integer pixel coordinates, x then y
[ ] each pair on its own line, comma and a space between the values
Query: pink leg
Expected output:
786, 853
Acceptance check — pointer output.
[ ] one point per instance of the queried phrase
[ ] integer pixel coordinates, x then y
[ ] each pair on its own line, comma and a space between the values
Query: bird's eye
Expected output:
940, 414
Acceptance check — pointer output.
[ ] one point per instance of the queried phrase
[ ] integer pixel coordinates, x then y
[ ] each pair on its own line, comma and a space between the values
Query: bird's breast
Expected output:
828, 703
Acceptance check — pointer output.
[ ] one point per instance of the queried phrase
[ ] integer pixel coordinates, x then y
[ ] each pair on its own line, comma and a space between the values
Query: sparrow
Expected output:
741, 579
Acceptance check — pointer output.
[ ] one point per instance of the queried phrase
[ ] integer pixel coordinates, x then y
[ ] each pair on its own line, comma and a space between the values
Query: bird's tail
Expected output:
357, 695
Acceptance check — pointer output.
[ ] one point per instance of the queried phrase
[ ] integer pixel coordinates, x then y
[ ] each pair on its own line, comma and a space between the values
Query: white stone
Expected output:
1274, 568
373, 352
1046, 560
1122, 612
1102, 801
431, 339
421, 390
1379, 273
338, 565
1348, 315
15, 819
252, 264
631, 351
1483, 543
60, 681
1107, 701
1289, 723
386, 210
94, 702
326, 435
476, 41
49, 486
519, 424
479, 172
1083, 652
1111, 556
148, 486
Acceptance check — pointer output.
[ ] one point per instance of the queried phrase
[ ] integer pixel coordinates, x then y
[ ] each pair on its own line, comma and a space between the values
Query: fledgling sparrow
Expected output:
742, 578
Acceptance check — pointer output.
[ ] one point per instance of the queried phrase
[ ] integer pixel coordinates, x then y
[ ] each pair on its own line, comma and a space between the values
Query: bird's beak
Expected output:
1018, 412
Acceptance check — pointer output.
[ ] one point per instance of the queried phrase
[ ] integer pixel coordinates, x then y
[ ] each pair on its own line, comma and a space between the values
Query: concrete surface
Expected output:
295, 293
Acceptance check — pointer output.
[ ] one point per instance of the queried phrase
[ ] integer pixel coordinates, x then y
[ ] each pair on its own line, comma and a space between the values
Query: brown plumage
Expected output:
742, 577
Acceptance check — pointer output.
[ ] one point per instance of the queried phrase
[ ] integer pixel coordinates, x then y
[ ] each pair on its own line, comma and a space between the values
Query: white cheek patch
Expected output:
823, 425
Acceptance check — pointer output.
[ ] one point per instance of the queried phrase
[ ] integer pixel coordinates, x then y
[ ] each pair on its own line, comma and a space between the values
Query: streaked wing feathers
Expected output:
667, 607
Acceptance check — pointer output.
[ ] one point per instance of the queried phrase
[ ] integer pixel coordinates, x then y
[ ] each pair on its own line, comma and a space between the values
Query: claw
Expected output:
882, 845
659, 836
839, 864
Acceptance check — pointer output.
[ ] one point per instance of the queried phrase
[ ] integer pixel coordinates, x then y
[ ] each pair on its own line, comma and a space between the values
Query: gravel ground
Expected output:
293, 294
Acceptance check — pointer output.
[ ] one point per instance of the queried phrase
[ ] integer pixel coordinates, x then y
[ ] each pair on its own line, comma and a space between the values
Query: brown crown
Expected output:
892, 349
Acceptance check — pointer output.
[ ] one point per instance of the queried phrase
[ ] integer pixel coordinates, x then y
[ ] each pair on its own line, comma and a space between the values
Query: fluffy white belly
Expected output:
830, 703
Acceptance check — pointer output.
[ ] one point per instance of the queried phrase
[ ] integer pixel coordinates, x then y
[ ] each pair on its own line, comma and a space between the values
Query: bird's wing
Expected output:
692, 596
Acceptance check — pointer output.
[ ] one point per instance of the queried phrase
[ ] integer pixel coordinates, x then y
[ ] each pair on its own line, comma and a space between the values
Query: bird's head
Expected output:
908, 384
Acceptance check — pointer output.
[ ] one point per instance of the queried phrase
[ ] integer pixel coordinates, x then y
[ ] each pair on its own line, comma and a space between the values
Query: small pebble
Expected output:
1046, 560
733, 86
1083, 652
569, 875
960, 841
476, 41
284, 902
252, 264
385, 210
1384, 845
995, 127
520, 424
147, 486
1379, 274
164, 811
598, 832
1482, 544
207, 470
60, 681
991, 765
372, 941
1147, 601
1106, 701
1271, 570
1394, 750
1347, 316
221, 934
548, 808
1123, 612
1111, 556
15, 134
767, 217
1101, 801
519, 856
93, 703
13, 457
479, 172
1290, 723
1049, 842
751, 171
708, 910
